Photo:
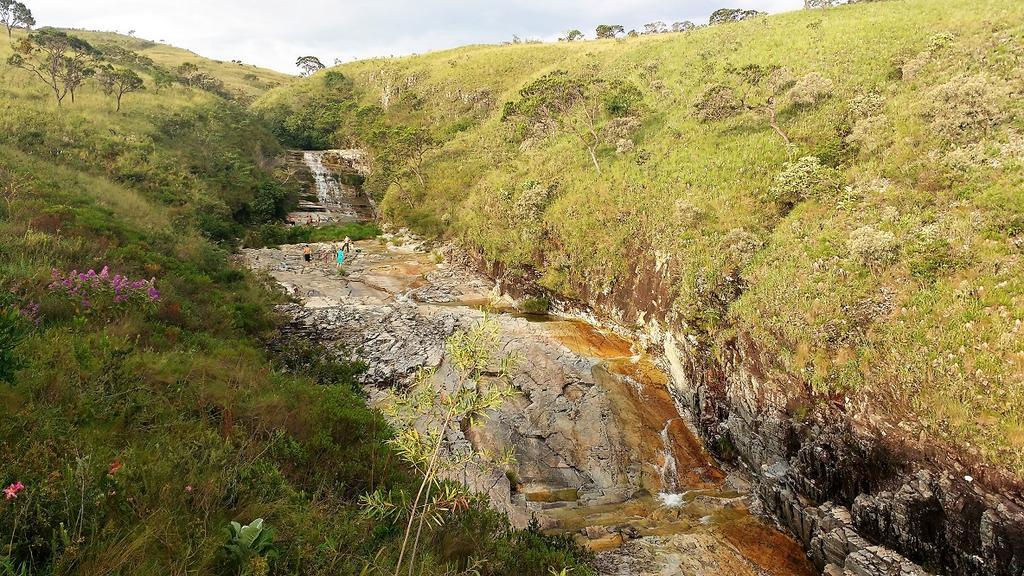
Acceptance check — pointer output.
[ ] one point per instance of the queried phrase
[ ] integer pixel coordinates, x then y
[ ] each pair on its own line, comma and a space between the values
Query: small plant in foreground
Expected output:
249, 548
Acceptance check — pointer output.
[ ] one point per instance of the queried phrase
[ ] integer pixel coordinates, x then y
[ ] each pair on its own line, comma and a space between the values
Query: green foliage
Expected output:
536, 305
609, 30
805, 178
277, 234
13, 331
246, 546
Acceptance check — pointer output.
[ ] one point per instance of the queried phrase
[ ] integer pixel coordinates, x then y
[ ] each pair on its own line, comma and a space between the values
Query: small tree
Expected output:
809, 4
575, 103
658, 27
14, 14
309, 65
725, 15
162, 79
684, 26
60, 60
571, 36
424, 418
762, 90
609, 30
119, 81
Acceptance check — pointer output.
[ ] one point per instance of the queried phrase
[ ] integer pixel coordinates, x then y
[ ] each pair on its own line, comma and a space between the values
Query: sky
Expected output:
273, 34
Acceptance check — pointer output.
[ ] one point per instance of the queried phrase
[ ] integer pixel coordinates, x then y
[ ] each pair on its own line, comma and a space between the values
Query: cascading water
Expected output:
327, 189
669, 494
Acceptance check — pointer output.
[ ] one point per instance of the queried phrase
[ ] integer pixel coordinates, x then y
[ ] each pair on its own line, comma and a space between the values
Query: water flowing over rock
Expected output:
332, 186
596, 433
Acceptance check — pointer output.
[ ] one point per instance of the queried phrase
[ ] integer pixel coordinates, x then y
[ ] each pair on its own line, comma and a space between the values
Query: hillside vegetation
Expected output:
843, 185
147, 401
245, 80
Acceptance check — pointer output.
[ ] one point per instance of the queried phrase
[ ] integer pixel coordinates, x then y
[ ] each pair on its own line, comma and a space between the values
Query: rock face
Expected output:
906, 512
595, 430
858, 507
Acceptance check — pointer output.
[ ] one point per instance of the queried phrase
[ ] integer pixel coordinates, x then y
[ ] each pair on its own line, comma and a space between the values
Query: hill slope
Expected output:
877, 258
247, 79
141, 411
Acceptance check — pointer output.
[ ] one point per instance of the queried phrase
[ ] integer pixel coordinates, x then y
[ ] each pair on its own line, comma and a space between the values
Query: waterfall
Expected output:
327, 189
669, 474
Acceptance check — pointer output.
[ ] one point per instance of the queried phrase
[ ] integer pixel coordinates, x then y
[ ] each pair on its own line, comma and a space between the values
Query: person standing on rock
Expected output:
307, 253
347, 244
341, 255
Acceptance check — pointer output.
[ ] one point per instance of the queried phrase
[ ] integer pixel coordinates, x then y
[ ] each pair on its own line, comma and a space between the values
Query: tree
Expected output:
684, 26
576, 104
609, 30
404, 146
162, 79
809, 4
571, 36
725, 15
119, 81
658, 27
762, 90
14, 14
60, 60
309, 65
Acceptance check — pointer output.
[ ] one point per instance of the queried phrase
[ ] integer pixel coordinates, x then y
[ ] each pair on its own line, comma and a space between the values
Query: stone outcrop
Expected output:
858, 507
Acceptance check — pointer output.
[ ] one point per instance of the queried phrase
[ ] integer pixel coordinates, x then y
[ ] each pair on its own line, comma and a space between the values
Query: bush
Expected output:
966, 107
739, 245
874, 248
535, 305
718, 102
805, 178
811, 89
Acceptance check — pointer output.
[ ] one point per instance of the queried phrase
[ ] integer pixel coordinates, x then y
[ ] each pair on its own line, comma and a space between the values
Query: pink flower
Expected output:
11, 492
188, 488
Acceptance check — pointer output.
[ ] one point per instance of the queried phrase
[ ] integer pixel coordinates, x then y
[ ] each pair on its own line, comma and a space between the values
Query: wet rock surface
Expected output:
596, 432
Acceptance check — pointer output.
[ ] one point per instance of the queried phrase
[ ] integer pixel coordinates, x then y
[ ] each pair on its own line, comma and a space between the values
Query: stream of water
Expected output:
603, 450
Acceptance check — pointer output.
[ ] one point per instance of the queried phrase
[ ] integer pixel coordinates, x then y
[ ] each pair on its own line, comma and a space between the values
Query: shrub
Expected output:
874, 248
811, 89
718, 102
740, 246
535, 305
931, 254
805, 178
866, 105
966, 107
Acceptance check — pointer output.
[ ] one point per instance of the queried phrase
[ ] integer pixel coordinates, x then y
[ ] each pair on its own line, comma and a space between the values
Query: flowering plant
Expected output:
11, 492
92, 288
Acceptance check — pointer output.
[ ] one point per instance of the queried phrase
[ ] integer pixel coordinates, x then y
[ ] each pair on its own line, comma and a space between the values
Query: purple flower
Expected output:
153, 293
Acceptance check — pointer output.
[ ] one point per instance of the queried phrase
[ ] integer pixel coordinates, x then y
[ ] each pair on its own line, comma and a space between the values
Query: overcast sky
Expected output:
273, 33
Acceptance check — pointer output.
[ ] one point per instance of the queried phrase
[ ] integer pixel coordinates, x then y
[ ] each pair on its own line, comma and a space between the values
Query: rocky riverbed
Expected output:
602, 448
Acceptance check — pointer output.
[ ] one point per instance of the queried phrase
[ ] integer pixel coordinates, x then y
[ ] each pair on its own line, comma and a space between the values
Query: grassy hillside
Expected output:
141, 409
246, 79
879, 254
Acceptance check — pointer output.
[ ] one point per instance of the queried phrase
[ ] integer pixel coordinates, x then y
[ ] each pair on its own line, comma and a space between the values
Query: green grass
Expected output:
277, 234
245, 79
140, 430
930, 336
